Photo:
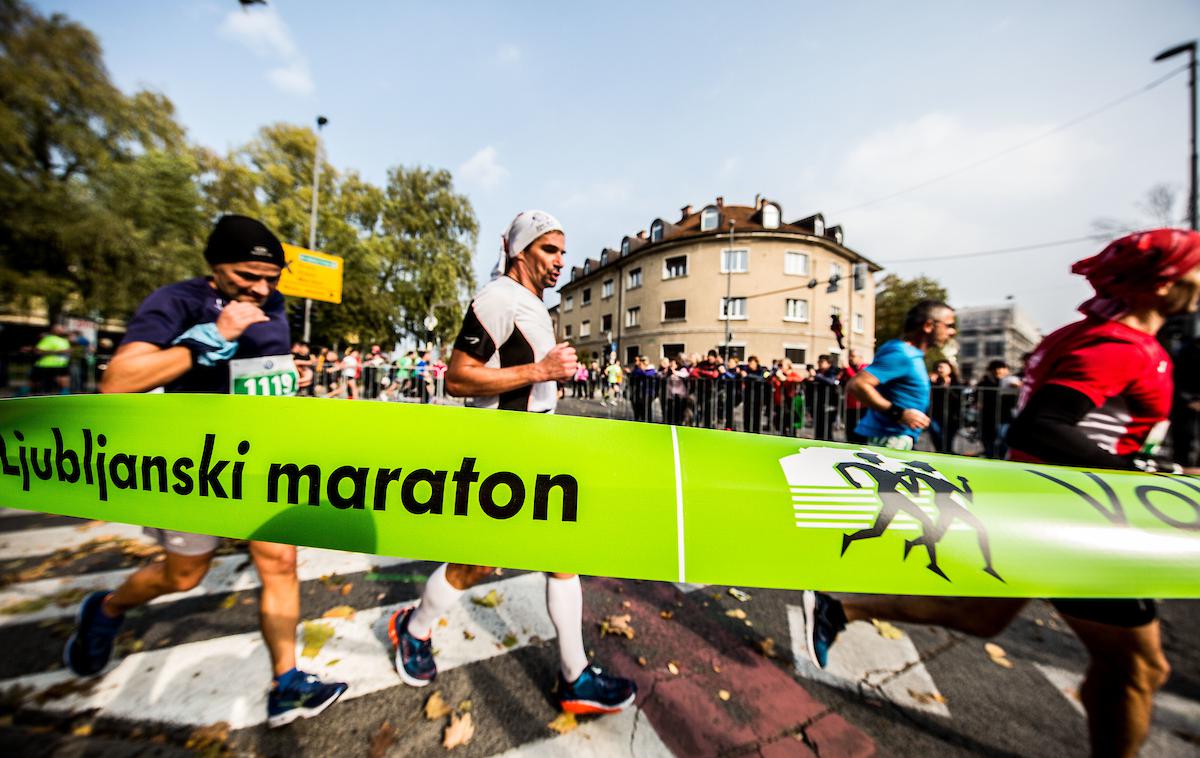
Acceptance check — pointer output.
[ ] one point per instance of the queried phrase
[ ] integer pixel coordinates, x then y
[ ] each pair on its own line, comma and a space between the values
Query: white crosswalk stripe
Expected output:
864, 661
29, 543
626, 733
229, 573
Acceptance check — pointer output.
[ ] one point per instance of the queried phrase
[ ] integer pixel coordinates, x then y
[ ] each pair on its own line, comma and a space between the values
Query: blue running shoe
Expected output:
90, 646
824, 620
299, 695
414, 657
595, 692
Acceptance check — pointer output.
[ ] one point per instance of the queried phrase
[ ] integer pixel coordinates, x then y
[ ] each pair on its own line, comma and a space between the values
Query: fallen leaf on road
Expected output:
334, 662
436, 708
887, 631
464, 706
209, 739
313, 636
510, 640
674, 669
668, 615
385, 736
724, 694
229, 601
626, 604
617, 625
565, 722
716, 667
83, 730
1003, 662
340, 612
642, 661
740, 595
993, 650
736, 613
346, 588
490, 600
766, 647
442, 622
927, 697
459, 732
467, 635
247, 601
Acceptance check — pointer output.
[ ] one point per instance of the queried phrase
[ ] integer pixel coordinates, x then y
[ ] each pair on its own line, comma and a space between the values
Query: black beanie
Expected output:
239, 238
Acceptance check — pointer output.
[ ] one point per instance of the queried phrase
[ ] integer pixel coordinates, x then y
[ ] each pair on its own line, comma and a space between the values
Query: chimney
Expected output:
642, 234
720, 201
757, 200
684, 212
762, 202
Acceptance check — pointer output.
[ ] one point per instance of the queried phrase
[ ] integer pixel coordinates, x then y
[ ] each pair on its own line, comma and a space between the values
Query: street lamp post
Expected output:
1190, 49
312, 223
728, 289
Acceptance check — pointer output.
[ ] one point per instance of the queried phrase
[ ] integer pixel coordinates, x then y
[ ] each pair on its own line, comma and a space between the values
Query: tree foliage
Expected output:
102, 199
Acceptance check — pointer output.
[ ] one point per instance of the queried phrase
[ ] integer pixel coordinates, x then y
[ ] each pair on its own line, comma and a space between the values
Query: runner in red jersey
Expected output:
1097, 395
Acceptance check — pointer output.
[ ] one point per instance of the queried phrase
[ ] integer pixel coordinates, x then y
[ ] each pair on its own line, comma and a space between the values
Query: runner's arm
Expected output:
142, 366
468, 376
1046, 428
865, 387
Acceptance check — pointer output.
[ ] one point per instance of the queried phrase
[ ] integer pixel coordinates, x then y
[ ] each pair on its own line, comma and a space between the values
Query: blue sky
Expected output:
611, 115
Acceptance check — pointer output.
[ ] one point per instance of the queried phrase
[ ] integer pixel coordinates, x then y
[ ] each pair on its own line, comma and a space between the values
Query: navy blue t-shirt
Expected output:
171, 310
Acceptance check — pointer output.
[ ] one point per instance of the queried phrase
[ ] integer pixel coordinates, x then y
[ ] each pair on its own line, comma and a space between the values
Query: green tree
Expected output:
97, 197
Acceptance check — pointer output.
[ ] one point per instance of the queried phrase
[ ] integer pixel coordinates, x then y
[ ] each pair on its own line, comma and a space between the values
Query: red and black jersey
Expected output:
1125, 372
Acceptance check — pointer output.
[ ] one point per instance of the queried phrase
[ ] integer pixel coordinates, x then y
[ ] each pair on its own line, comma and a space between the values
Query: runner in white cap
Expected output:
506, 357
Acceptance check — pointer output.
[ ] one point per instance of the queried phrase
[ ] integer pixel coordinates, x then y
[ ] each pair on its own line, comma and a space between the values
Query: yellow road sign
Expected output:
311, 274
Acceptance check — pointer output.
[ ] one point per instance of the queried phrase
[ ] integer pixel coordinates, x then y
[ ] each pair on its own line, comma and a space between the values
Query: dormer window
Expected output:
770, 216
624, 247
656, 231
587, 267
710, 217
819, 226
604, 258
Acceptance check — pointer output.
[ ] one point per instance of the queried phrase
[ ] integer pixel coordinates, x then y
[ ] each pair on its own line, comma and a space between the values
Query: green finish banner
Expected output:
601, 497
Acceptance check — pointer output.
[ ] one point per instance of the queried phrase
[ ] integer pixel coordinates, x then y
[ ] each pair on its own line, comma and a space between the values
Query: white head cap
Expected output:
524, 229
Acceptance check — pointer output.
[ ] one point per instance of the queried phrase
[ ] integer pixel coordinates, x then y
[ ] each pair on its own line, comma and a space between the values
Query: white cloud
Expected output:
613, 194
263, 32
508, 54
483, 169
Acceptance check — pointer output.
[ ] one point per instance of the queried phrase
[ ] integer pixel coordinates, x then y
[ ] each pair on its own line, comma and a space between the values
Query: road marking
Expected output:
863, 661
226, 678
229, 573
34, 542
626, 733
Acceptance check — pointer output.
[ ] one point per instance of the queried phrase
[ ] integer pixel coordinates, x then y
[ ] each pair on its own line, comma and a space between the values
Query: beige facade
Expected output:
665, 296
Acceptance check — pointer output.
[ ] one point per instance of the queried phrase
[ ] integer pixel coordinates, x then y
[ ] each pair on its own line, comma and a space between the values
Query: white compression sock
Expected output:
439, 597
564, 601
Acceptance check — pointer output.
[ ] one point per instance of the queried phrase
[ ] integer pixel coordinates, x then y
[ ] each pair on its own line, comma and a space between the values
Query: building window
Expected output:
796, 355
587, 297
993, 349
835, 269
606, 289
673, 349
970, 350
624, 247
733, 308
568, 303
675, 310
732, 351
585, 329
567, 331
819, 226
797, 310
604, 258
606, 323
795, 264
860, 324
631, 354
587, 267
737, 261
633, 279
633, 316
770, 216
675, 267
835, 310
656, 231
709, 218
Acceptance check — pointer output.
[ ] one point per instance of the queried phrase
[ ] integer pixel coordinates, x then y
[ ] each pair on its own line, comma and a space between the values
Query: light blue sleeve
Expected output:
890, 363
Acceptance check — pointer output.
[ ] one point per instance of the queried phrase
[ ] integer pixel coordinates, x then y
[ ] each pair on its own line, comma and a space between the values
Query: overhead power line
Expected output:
1000, 251
1020, 145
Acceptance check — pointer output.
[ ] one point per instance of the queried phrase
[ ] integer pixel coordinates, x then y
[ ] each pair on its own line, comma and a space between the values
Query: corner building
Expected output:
664, 293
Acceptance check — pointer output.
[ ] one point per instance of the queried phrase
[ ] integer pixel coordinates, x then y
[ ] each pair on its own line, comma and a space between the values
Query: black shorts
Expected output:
1123, 613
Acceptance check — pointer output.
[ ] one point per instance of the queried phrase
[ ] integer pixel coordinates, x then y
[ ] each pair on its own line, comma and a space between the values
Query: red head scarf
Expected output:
1134, 266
